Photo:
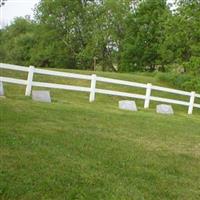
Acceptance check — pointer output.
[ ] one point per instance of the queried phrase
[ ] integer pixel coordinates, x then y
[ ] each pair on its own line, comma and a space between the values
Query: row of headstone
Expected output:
131, 105
44, 96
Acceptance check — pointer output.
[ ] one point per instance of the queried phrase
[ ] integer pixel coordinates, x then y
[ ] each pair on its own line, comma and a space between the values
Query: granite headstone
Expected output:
1, 89
40, 95
165, 109
127, 105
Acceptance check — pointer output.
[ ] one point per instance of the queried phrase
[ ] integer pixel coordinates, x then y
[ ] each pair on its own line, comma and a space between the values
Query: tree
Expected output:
88, 29
144, 35
135, 35
182, 34
17, 41
67, 20
108, 30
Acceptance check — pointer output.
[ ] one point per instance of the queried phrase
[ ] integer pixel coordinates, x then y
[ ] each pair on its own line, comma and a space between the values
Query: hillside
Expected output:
73, 149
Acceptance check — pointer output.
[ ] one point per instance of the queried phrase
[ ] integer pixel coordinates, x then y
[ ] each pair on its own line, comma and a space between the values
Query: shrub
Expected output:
181, 81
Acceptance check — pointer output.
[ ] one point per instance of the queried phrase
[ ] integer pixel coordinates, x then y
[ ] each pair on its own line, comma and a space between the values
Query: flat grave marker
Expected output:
1, 89
127, 105
41, 95
164, 109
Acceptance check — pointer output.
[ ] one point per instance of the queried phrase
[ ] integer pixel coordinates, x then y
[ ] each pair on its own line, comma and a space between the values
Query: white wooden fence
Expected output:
29, 83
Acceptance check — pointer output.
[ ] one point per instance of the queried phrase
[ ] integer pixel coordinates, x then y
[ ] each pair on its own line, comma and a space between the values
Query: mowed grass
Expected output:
73, 149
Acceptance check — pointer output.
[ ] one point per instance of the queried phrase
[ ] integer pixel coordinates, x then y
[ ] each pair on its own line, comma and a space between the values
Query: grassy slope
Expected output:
72, 149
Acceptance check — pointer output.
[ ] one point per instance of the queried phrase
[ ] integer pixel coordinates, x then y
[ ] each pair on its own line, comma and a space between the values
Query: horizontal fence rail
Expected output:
147, 97
62, 74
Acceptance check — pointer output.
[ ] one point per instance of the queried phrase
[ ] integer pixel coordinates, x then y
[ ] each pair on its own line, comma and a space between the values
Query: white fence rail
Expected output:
29, 83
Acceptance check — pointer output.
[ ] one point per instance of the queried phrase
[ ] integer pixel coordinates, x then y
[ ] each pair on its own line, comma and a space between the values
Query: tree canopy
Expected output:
112, 35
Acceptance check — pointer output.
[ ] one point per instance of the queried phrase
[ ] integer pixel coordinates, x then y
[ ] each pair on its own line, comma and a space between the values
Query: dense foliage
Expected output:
114, 35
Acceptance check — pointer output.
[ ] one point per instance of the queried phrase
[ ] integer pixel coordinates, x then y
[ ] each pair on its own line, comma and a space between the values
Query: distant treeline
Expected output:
111, 35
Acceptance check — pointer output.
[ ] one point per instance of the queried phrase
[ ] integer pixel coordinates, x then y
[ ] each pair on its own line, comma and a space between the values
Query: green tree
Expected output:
87, 29
108, 30
182, 34
144, 35
16, 42
67, 20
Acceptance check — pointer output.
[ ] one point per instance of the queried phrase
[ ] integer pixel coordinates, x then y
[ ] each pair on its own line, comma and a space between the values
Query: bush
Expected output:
181, 81
193, 66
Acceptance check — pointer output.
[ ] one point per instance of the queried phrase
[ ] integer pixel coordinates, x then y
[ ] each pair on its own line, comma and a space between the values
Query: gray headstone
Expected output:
43, 96
165, 109
127, 105
1, 89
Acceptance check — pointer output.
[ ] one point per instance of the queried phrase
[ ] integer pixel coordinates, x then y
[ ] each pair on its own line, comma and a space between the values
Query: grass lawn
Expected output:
73, 149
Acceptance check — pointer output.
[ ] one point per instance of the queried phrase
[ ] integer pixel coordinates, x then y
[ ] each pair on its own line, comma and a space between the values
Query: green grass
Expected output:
73, 149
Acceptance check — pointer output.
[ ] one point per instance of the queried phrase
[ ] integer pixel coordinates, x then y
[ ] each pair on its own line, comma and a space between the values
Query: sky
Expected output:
16, 8
19, 8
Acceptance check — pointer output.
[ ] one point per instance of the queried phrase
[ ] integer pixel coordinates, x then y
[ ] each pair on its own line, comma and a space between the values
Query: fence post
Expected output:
191, 105
29, 81
148, 95
93, 86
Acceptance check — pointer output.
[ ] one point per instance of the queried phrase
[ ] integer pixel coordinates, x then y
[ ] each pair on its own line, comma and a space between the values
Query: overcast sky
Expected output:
17, 8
